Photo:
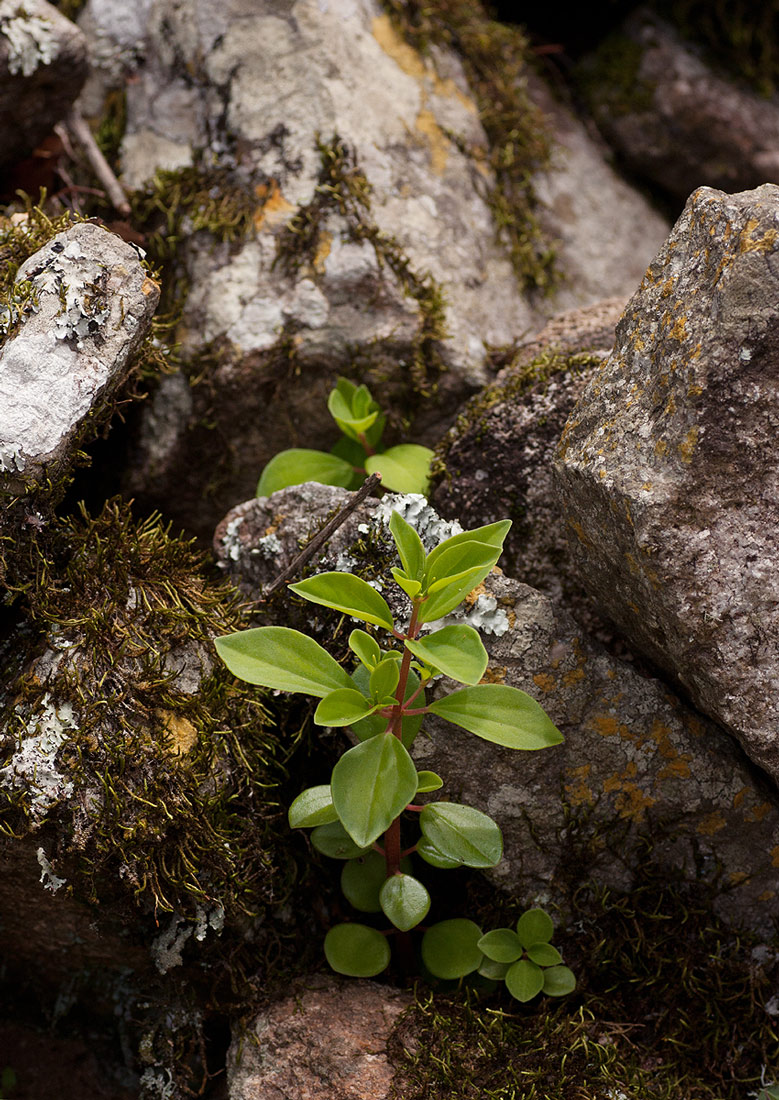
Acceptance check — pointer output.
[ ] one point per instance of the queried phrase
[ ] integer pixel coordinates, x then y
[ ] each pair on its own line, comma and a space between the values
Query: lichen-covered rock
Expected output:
673, 119
326, 1040
638, 765
496, 461
79, 310
43, 64
667, 467
365, 242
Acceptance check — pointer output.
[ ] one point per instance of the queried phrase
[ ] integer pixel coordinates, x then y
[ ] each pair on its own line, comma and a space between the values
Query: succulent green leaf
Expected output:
312, 807
361, 880
352, 452
428, 781
342, 708
333, 840
346, 593
524, 980
535, 926
411, 588
278, 657
493, 534
559, 981
492, 970
501, 714
461, 833
502, 945
458, 561
356, 950
450, 596
298, 465
372, 784
456, 651
354, 417
404, 469
410, 548
430, 854
374, 724
384, 678
405, 901
544, 954
450, 948
366, 648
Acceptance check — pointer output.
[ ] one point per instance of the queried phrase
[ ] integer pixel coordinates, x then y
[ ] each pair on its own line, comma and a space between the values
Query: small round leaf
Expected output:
405, 901
362, 879
334, 841
535, 926
524, 980
312, 807
431, 855
559, 981
544, 954
356, 950
450, 948
462, 833
502, 945
428, 781
495, 971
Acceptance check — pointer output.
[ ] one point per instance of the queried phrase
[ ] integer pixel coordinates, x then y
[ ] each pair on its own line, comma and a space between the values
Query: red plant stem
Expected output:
365, 444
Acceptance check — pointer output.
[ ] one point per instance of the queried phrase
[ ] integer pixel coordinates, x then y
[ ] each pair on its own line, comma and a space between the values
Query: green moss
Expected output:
112, 125
70, 8
174, 790
342, 187
495, 58
670, 1003
610, 80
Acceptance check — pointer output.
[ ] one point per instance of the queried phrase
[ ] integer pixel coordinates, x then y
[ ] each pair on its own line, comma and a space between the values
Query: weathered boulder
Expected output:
638, 766
673, 119
78, 311
326, 1040
43, 64
667, 467
496, 460
359, 176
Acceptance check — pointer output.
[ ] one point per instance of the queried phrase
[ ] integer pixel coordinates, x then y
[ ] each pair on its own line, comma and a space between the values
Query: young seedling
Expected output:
375, 788
404, 469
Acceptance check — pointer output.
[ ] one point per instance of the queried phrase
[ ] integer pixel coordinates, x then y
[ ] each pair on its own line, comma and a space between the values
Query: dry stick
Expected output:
318, 541
100, 166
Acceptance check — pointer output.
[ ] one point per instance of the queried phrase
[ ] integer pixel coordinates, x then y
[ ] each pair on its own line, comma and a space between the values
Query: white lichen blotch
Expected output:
31, 39
33, 765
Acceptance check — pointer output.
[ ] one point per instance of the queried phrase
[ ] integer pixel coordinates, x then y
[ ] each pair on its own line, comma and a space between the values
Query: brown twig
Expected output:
327, 532
100, 166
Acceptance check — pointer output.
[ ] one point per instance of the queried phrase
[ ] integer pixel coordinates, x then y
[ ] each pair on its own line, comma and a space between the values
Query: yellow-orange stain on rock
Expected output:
182, 734
273, 209
736, 877
631, 801
740, 797
711, 824
766, 895
436, 139
750, 243
149, 286
661, 447
573, 677
544, 681
687, 446
577, 791
405, 56
323, 246
679, 330
775, 856
757, 813
496, 674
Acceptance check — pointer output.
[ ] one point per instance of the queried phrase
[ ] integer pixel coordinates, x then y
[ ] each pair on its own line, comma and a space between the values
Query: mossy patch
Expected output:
170, 769
495, 58
670, 1003
610, 78
343, 188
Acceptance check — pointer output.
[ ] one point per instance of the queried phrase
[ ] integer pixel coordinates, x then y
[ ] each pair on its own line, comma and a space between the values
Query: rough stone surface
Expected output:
667, 467
43, 64
496, 461
605, 231
217, 85
674, 120
71, 350
325, 1041
638, 765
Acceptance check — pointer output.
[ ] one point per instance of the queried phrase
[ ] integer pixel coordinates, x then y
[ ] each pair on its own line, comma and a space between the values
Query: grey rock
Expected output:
673, 119
93, 303
639, 769
496, 460
43, 64
326, 1040
667, 466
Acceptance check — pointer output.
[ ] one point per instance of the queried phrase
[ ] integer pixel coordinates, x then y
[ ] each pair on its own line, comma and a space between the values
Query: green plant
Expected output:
7, 1082
404, 468
357, 816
